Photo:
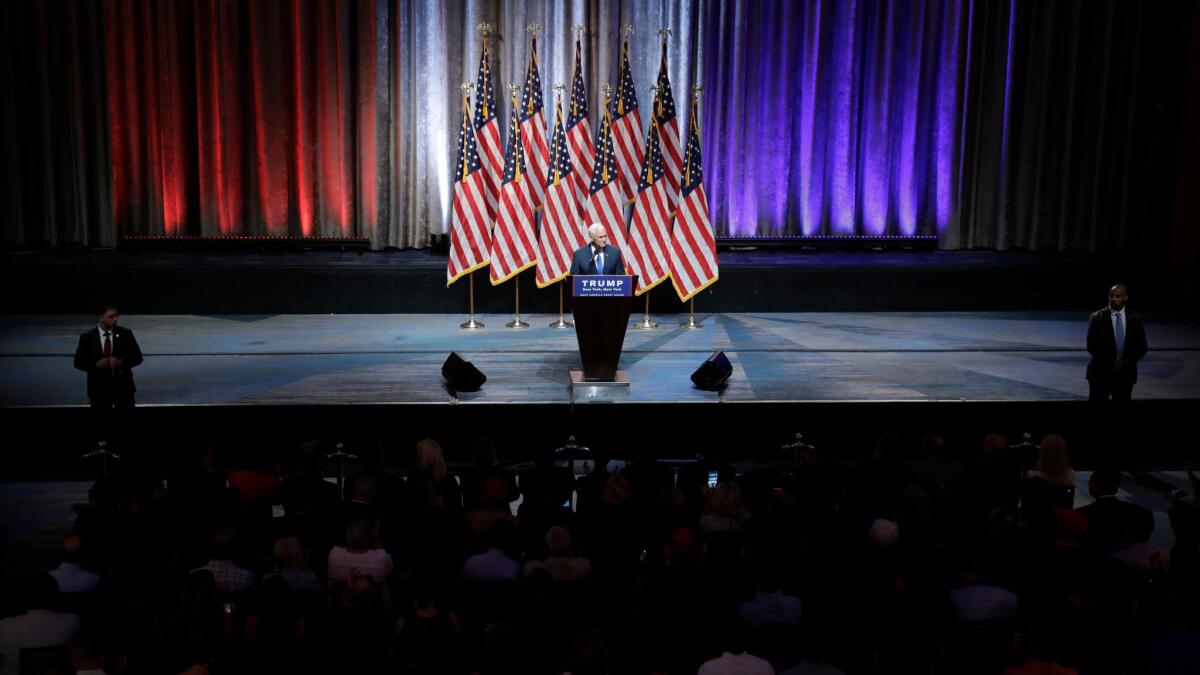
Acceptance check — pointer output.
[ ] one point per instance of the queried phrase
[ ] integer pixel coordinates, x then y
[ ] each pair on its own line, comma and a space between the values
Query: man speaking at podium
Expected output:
597, 257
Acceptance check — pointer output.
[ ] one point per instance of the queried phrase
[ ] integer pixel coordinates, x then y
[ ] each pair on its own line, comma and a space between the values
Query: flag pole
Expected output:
562, 321
516, 278
691, 321
646, 323
559, 89
471, 323
517, 322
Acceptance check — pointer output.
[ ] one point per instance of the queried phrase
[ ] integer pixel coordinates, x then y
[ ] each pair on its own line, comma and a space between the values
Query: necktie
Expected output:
600, 263
1119, 331
107, 345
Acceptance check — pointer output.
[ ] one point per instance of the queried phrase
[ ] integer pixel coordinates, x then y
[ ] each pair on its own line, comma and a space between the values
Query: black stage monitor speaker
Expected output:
461, 375
713, 374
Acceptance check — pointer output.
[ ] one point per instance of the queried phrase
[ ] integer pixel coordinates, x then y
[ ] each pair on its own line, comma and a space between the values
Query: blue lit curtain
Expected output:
833, 117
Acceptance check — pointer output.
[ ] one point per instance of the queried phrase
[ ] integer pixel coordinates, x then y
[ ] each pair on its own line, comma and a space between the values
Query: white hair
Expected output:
594, 230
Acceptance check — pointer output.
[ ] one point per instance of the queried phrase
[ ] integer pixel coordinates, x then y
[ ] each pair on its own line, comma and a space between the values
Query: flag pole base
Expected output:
691, 323
516, 323
471, 324
645, 324
562, 323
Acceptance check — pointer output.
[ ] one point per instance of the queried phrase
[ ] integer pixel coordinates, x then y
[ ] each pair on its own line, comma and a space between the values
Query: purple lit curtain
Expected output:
833, 117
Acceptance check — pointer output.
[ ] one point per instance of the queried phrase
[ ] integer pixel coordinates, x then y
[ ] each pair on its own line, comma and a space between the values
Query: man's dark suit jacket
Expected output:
1113, 524
1102, 345
101, 383
583, 262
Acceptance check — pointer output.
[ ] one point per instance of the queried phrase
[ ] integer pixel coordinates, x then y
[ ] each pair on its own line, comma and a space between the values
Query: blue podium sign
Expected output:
602, 286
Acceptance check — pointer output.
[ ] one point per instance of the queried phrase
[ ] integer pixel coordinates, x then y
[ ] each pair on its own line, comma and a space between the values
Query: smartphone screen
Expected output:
712, 479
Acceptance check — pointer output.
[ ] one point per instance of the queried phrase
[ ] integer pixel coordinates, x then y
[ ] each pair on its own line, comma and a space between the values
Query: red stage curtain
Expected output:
236, 118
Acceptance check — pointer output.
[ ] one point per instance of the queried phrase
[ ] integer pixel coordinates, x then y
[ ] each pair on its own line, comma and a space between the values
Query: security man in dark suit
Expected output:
108, 353
1116, 340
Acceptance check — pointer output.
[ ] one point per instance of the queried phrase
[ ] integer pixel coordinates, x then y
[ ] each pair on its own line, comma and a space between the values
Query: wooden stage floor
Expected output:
293, 359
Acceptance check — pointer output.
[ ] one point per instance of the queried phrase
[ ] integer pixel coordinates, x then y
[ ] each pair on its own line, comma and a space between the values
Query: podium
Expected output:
601, 304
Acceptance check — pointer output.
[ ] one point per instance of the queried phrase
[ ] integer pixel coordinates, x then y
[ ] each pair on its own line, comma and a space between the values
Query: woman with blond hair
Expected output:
431, 470
1049, 485
726, 512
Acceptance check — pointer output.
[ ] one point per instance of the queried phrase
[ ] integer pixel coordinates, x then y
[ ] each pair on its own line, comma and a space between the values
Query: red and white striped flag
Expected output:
469, 221
606, 197
693, 247
514, 241
533, 130
579, 134
487, 134
650, 229
561, 230
627, 129
668, 132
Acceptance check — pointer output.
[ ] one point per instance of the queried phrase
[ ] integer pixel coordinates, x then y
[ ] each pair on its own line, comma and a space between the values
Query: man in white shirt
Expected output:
70, 575
735, 660
39, 627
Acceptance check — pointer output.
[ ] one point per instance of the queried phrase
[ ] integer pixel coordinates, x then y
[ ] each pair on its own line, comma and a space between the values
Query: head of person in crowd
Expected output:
1053, 463
430, 458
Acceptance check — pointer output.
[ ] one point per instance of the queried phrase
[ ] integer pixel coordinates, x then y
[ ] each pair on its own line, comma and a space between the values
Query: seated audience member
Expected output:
71, 575
39, 626
292, 565
432, 462
497, 563
360, 555
485, 465
85, 652
276, 621
978, 598
589, 654
230, 578
199, 620
726, 513
257, 481
1113, 524
1037, 649
734, 659
427, 638
559, 562
1050, 484
769, 606
493, 506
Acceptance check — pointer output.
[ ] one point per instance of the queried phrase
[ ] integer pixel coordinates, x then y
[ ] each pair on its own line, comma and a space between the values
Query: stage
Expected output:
337, 344
776, 357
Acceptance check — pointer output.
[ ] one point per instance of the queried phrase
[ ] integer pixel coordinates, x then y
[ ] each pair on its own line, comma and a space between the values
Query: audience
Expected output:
921, 559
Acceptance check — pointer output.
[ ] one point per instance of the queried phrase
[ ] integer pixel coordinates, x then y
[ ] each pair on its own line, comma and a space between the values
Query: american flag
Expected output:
627, 129
606, 197
487, 134
514, 242
650, 229
693, 248
579, 134
561, 230
469, 235
533, 130
668, 132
